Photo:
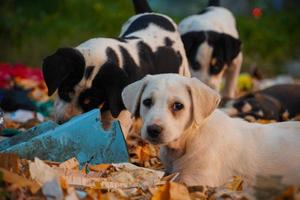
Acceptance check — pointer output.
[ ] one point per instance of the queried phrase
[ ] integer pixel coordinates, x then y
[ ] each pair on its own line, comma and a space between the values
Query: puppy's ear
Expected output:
204, 99
191, 42
60, 66
131, 95
115, 102
231, 46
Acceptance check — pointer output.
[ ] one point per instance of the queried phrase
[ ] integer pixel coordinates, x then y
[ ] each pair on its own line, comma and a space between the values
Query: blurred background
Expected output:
33, 29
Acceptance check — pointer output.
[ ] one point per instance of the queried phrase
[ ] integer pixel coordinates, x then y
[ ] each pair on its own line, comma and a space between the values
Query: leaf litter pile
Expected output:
142, 178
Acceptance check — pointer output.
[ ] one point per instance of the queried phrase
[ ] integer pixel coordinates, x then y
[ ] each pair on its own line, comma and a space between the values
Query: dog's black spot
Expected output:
128, 60
225, 49
192, 41
144, 21
125, 39
112, 56
168, 41
164, 60
114, 79
179, 57
63, 70
88, 72
133, 71
121, 39
91, 98
167, 60
146, 57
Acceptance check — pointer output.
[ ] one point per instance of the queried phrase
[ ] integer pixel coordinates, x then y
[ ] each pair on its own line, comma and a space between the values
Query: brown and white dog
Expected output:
201, 142
213, 48
94, 73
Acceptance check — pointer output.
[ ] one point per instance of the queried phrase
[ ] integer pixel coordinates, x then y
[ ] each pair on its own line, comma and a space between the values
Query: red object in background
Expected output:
8, 72
25, 72
5, 75
257, 12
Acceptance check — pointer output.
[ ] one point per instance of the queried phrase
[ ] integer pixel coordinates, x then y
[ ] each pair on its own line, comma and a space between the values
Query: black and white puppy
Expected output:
278, 103
94, 73
213, 48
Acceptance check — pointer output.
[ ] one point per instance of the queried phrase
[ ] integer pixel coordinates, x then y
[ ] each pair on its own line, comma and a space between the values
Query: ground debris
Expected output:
141, 179
52, 180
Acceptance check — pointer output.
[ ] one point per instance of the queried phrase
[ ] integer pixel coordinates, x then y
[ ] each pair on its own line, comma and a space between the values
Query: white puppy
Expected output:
201, 142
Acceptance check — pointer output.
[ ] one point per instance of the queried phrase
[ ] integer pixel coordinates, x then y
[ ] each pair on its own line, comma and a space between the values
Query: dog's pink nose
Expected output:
154, 130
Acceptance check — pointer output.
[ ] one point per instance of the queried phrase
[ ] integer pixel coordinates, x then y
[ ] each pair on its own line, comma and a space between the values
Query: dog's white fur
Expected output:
216, 19
220, 20
205, 145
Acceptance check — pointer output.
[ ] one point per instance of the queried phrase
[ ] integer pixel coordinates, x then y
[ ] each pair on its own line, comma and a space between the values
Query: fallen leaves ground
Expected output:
25, 179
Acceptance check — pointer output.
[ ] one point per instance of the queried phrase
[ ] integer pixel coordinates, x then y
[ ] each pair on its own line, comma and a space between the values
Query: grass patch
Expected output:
33, 29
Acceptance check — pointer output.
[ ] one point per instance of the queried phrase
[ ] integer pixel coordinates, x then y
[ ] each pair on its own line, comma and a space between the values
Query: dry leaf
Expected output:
19, 181
171, 177
8, 123
236, 184
93, 193
162, 192
70, 164
99, 168
63, 183
178, 191
172, 191
41, 172
265, 121
10, 161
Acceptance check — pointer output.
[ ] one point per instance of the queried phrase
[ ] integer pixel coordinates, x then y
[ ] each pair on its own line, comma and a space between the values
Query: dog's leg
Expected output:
126, 122
231, 77
106, 119
205, 178
124, 118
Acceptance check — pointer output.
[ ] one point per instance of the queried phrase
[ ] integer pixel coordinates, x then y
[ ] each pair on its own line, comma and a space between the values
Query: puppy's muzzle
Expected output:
154, 131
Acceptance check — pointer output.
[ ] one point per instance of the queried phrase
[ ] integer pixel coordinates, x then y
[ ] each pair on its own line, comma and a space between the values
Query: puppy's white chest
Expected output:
168, 156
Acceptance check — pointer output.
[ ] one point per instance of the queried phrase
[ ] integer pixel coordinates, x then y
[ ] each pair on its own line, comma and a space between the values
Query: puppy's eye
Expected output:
147, 102
215, 69
177, 106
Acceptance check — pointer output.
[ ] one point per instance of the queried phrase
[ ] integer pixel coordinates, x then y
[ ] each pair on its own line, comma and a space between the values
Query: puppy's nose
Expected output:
154, 130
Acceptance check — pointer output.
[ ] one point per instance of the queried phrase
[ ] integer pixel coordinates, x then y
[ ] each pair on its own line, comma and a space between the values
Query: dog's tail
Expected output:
141, 6
214, 3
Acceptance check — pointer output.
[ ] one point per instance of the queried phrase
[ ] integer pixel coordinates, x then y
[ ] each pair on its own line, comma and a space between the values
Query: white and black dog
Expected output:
94, 73
213, 48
